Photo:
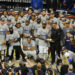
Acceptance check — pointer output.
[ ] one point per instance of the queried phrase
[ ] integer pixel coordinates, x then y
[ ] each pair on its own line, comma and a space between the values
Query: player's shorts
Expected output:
33, 53
3, 47
43, 49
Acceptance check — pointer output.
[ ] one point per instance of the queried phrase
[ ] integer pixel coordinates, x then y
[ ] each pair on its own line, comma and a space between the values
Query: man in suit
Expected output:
70, 70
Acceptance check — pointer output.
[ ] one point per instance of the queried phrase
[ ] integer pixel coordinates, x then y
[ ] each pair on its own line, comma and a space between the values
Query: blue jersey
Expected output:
73, 10
37, 4
67, 43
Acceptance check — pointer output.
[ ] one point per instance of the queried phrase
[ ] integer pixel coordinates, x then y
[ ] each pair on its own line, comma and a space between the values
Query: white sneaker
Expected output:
9, 61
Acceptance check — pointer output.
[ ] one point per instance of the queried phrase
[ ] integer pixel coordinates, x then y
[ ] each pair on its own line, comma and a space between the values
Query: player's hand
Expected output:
13, 40
4, 43
45, 40
25, 35
26, 57
50, 40
7, 33
57, 27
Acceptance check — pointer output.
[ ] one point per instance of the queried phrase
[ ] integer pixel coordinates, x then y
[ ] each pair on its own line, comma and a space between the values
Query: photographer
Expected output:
39, 68
22, 69
13, 39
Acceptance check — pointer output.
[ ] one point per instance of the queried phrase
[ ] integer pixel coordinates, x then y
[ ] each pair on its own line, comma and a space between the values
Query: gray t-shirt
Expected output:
19, 30
27, 29
13, 36
25, 43
43, 33
36, 27
5, 18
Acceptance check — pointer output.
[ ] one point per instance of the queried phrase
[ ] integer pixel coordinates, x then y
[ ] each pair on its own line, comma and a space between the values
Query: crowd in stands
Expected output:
67, 5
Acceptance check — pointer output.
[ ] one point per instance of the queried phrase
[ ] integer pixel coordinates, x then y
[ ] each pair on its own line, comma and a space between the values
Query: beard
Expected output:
11, 32
44, 27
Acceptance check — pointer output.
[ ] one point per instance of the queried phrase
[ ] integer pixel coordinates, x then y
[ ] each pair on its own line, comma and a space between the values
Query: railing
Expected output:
20, 1
15, 4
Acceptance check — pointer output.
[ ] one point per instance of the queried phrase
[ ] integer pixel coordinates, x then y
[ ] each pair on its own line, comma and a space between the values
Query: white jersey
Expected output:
27, 17
8, 26
32, 22
2, 37
48, 27
70, 54
25, 43
55, 20
19, 30
43, 18
65, 30
20, 19
14, 22
4, 27
13, 36
60, 23
4, 17
12, 18
36, 27
27, 29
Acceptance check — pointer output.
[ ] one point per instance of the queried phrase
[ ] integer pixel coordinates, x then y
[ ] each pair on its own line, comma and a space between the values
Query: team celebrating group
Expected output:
35, 34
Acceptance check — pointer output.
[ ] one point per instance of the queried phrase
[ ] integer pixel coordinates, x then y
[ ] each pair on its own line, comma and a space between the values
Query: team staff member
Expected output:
56, 33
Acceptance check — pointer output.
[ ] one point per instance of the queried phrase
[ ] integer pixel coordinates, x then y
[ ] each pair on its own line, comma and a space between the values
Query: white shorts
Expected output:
3, 47
10, 50
33, 53
43, 49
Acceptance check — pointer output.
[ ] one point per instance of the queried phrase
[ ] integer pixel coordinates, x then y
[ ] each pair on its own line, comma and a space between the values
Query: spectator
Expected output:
70, 70
73, 8
64, 67
39, 68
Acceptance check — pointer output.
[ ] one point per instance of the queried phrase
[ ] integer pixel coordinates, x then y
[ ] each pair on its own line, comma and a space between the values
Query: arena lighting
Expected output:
27, 8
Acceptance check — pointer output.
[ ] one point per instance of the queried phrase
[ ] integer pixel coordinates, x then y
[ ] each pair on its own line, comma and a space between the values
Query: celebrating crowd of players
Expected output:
36, 35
